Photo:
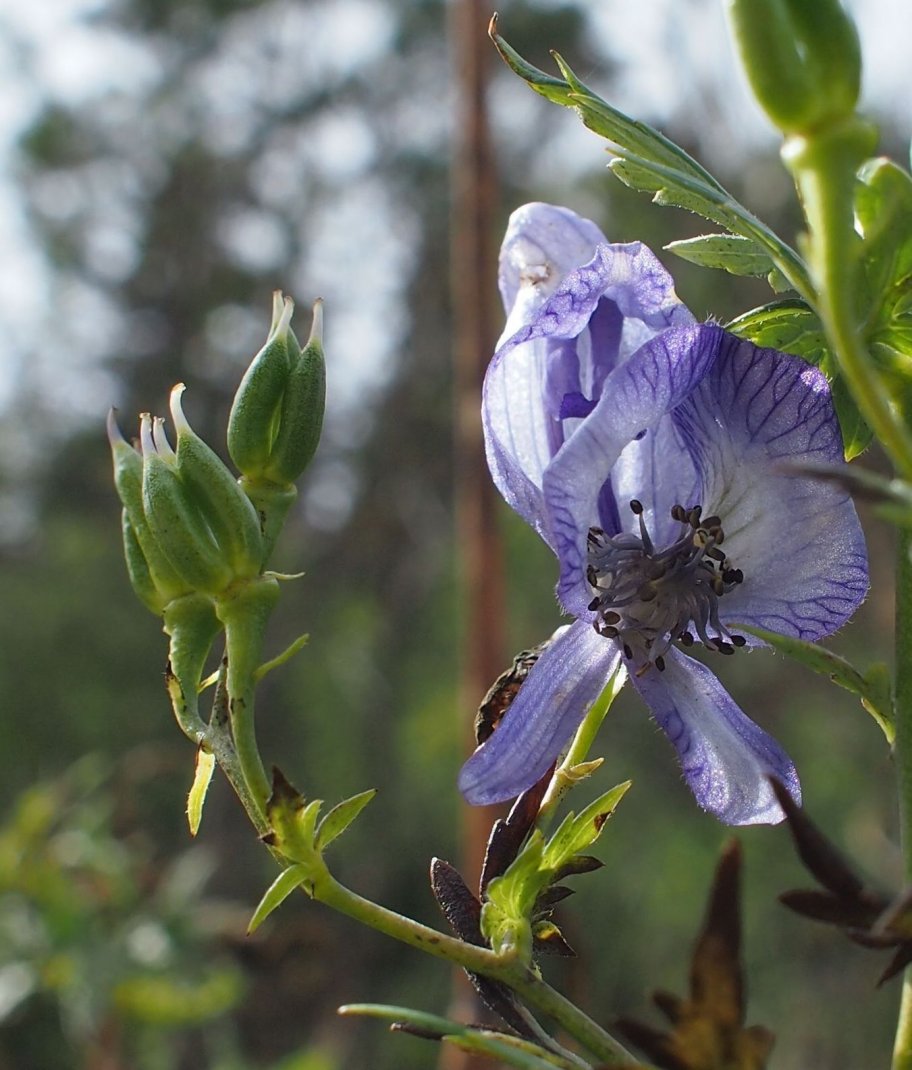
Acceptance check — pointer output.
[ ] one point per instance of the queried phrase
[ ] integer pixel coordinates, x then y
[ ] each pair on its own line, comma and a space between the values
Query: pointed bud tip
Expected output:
282, 311
160, 442
145, 434
181, 424
316, 330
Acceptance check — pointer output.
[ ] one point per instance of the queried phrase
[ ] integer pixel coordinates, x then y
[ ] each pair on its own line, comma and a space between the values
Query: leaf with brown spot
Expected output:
708, 1031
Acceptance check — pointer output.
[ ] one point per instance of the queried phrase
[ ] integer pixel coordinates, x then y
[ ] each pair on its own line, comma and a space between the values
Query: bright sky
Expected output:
673, 57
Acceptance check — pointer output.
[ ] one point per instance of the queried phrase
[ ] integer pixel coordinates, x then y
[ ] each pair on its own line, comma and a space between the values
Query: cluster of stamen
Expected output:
649, 598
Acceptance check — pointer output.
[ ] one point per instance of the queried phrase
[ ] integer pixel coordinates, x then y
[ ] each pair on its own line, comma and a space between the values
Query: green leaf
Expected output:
578, 832
873, 687
205, 766
792, 327
341, 816
276, 894
729, 252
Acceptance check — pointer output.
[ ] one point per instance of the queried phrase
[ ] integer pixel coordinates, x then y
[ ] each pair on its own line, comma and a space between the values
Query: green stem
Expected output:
824, 168
244, 613
902, 1051
564, 776
505, 968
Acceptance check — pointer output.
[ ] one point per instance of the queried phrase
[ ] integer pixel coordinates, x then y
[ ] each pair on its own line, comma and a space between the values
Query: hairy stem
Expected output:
505, 968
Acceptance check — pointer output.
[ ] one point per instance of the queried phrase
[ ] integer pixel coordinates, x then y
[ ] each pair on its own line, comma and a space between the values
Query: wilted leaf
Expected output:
708, 1031
202, 777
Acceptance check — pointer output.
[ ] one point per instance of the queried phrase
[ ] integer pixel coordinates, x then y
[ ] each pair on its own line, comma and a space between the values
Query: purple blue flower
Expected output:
650, 452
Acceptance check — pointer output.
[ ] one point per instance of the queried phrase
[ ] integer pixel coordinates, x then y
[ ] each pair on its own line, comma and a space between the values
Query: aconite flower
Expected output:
656, 455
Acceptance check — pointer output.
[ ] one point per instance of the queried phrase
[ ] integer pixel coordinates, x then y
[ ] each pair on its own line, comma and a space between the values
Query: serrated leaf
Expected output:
341, 816
202, 777
729, 252
649, 161
276, 894
872, 687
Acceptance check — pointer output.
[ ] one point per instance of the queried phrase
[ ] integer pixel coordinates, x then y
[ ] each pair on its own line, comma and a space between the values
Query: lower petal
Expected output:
726, 759
552, 702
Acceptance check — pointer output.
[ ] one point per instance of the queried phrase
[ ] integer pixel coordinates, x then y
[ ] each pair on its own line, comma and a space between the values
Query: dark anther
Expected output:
636, 507
693, 516
608, 631
611, 618
723, 647
733, 575
679, 513
716, 555
594, 535
628, 653
712, 522
595, 603
686, 638
660, 663
592, 577
739, 640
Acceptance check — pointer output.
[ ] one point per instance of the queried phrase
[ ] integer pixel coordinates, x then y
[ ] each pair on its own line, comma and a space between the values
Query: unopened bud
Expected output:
255, 413
153, 578
802, 59
277, 415
174, 518
301, 420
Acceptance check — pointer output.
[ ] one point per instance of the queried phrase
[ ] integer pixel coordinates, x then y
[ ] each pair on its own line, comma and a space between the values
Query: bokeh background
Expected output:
166, 165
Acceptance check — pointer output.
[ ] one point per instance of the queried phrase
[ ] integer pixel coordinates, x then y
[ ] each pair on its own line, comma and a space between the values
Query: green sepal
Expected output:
255, 413
276, 894
303, 403
729, 252
791, 327
176, 523
340, 817
226, 508
873, 687
196, 797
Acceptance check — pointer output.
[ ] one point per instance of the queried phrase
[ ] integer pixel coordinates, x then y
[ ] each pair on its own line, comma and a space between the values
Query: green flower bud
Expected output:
192, 626
227, 510
301, 420
174, 517
802, 59
254, 419
154, 580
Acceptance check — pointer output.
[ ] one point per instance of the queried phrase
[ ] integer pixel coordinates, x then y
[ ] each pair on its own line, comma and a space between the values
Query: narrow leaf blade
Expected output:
205, 767
341, 816
280, 889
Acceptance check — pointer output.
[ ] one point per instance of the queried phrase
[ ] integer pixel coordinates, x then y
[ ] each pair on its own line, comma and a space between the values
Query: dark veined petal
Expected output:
551, 704
636, 398
797, 541
726, 759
